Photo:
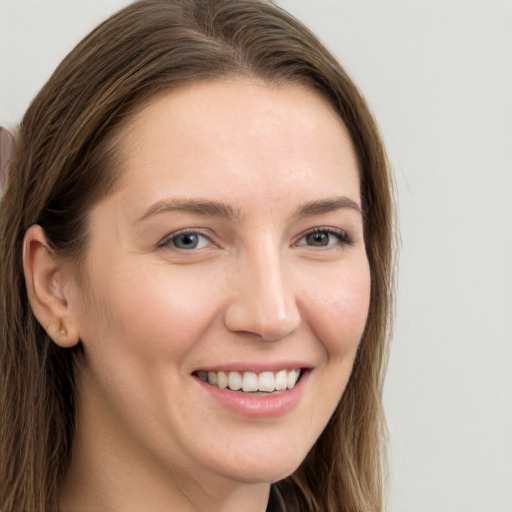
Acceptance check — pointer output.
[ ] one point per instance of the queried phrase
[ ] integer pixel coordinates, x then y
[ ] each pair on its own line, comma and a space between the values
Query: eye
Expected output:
187, 240
325, 237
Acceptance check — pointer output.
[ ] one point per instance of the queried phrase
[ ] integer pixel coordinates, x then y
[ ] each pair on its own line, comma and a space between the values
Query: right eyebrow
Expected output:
198, 206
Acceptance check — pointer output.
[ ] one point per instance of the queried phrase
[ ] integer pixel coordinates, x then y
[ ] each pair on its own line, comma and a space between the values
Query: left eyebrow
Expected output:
327, 205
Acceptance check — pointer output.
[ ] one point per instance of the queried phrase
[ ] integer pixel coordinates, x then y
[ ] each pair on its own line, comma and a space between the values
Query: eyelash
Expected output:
342, 237
338, 233
169, 241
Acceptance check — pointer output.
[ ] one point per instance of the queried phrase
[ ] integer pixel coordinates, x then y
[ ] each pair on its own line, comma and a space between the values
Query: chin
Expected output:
265, 469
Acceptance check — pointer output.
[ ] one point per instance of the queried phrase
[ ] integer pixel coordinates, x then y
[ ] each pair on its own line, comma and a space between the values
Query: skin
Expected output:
256, 291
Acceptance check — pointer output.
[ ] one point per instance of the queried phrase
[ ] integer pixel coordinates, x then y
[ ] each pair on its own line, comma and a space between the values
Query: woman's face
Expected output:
231, 254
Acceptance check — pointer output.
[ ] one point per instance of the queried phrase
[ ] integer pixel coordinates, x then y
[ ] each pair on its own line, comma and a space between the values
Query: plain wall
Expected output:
438, 76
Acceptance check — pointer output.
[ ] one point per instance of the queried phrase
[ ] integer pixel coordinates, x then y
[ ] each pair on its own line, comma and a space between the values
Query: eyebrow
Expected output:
197, 206
209, 208
328, 205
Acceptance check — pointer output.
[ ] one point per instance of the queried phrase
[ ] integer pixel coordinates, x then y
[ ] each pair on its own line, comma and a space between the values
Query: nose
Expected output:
263, 300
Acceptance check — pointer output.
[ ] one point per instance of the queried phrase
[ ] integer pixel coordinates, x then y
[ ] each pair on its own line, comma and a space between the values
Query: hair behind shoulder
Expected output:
67, 160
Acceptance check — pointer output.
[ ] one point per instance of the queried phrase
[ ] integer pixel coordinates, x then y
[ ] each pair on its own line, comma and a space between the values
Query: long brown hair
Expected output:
67, 160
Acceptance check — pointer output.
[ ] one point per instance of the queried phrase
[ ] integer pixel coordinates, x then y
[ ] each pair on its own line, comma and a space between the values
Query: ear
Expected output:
45, 278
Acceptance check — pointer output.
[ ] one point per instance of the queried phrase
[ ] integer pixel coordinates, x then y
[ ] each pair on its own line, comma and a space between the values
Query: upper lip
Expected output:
256, 367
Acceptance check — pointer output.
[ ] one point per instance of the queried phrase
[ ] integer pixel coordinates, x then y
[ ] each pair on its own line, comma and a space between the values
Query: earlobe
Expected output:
45, 281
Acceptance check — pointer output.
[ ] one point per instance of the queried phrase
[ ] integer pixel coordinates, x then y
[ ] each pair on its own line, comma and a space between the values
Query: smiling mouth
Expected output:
251, 382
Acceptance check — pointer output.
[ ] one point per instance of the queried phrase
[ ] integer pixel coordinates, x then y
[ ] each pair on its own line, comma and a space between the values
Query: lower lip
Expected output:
258, 406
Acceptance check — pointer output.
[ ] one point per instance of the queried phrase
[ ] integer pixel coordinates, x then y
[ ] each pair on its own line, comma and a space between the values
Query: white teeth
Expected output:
212, 378
280, 380
266, 381
235, 381
251, 382
292, 378
222, 380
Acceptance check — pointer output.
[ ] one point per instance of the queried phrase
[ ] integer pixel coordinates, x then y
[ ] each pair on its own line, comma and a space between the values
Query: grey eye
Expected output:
325, 237
318, 238
189, 241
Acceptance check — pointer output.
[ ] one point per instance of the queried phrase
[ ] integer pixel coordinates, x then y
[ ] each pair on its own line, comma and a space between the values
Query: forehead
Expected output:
238, 140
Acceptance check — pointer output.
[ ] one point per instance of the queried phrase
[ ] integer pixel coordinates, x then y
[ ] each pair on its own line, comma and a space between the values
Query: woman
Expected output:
196, 241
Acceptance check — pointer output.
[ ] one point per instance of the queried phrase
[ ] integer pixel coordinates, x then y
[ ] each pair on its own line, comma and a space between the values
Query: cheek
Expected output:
139, 334
339, 311
154, 315
337, 314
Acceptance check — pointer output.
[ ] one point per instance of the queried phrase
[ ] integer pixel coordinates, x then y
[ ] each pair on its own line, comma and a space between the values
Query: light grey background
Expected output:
438, 76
